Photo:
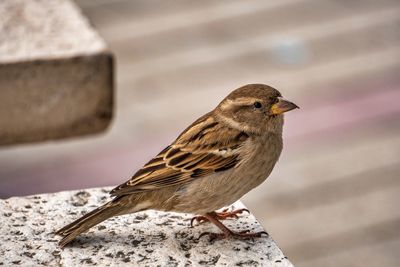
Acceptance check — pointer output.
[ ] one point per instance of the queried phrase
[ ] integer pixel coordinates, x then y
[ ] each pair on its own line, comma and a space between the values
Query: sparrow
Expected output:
215, 161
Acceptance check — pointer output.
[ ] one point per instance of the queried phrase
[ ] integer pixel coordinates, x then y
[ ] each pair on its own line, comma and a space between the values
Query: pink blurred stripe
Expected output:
336, 116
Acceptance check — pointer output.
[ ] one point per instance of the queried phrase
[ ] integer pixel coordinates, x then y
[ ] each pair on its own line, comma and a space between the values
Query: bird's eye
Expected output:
257, 105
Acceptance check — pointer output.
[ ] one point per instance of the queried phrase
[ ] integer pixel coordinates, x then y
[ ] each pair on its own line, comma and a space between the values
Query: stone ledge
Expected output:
56, 73
148, 238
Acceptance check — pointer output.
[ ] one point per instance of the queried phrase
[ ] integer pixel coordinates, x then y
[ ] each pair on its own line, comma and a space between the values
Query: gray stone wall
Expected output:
56, 73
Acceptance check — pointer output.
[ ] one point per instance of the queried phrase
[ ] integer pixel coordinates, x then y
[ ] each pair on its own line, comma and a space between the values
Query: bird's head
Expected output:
254, 108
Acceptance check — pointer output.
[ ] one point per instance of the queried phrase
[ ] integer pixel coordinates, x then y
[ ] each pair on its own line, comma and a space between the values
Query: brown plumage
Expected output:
215, 161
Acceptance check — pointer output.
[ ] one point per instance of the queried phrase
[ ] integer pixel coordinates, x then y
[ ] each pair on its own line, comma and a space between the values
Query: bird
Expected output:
214, 162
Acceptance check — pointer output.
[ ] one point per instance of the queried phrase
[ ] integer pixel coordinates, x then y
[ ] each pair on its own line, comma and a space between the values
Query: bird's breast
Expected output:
259, 158
212, 192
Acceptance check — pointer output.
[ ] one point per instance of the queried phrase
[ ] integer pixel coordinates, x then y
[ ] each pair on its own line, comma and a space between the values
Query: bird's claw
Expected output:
231, 214
224, 214
198, 219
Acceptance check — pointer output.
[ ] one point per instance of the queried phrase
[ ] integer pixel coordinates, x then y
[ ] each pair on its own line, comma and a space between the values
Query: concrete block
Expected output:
56, 73
148, 238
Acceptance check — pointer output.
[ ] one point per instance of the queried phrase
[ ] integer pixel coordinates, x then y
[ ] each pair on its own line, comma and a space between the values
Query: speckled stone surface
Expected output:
148, 238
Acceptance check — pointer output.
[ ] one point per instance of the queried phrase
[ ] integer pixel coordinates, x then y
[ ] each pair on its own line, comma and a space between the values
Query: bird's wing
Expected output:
205, 147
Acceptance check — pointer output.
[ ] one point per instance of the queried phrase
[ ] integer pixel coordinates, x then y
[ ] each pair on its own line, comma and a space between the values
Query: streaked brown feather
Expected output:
205, 147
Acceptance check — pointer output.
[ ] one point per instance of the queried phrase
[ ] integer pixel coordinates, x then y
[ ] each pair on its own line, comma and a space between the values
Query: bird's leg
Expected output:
224, 214
226, 232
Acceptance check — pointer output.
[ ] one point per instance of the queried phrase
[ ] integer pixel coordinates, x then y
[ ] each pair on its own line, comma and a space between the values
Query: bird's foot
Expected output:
240, 235
223, 215
226, 232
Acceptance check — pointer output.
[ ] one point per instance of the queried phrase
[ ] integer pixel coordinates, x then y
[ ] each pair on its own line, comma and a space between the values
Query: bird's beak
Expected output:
282, 106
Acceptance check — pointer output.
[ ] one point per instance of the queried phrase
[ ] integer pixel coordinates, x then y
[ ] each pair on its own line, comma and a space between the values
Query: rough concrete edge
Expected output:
102, 115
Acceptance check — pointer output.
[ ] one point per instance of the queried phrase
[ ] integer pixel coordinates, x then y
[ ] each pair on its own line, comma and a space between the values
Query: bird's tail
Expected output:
86, 222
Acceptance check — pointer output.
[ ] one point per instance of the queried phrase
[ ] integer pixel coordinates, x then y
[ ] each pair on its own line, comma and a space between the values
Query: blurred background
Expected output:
333, 198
